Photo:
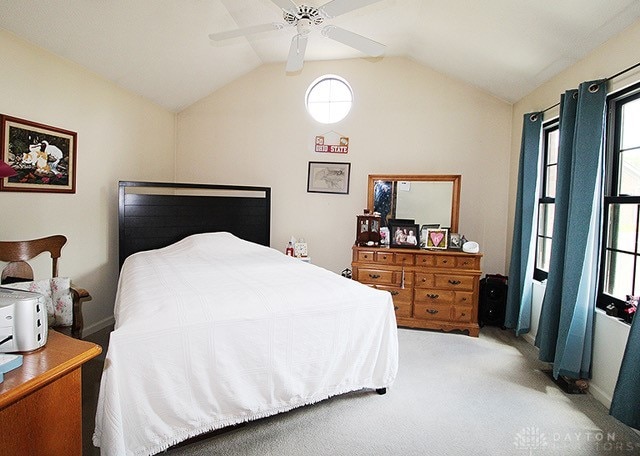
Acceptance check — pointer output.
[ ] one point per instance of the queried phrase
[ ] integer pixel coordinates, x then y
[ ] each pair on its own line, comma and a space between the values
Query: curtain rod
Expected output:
626, 70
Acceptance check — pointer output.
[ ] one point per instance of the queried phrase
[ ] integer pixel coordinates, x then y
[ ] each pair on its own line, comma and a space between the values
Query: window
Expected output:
329, 99
546, 203
620, 264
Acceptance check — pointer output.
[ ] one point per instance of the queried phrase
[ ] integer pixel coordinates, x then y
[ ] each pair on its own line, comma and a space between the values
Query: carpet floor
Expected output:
454, 395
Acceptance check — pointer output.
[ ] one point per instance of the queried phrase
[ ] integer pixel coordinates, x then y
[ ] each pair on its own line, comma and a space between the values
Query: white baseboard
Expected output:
87, 330
529, 338
600, 395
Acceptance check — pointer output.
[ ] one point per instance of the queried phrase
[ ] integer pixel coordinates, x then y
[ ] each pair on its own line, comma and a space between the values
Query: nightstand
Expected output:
41, 401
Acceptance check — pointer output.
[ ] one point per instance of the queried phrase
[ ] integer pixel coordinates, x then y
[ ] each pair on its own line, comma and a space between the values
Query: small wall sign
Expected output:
332, 143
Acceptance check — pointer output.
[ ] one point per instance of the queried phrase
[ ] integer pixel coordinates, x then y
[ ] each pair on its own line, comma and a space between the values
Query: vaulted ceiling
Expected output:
160, 48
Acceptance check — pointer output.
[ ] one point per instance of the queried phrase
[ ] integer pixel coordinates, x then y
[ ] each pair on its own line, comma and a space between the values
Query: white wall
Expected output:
405, 119
617, 54
120, 137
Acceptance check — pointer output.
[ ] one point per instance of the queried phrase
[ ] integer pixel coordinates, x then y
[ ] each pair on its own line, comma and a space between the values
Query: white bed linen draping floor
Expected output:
214, 331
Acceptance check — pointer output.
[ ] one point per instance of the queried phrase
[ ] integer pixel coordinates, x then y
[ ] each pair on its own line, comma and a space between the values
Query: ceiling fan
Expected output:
305, 18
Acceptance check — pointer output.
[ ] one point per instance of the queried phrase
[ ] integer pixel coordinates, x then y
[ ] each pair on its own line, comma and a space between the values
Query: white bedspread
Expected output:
213, 331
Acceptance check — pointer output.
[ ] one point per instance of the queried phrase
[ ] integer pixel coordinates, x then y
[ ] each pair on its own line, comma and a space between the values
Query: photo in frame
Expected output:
328, 177
437, 238
404, 235
43, 157
455, 241
423, 233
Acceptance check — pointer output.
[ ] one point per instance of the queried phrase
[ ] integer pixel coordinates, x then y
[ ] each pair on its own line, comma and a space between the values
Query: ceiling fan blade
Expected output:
246, 31
359, 42
337, 7
287, 5
296, 53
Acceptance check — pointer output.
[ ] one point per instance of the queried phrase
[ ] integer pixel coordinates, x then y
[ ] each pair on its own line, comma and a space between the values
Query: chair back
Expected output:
18, 253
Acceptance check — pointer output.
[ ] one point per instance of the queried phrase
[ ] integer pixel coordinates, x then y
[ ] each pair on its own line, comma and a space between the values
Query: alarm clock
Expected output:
300, 249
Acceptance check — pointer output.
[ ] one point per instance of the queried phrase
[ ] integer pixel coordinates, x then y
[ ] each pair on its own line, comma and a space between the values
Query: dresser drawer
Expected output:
366, 255
445, 261
464, 298
425, 260
404, 259
462, 313
467, 262
401, 259
399, 295
454, 282
424, 280
378, 276
434, 311
402, 298
384, 257
434, 296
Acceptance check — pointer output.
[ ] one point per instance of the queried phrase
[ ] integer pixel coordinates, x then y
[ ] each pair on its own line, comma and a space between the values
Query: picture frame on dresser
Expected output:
455, 241
404, 235
437, 238
423, 233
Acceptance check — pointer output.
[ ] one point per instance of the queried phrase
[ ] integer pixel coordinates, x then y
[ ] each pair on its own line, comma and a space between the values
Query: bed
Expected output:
214, 330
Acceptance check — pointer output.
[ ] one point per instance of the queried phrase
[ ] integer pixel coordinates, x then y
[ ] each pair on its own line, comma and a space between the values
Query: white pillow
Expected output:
57, 296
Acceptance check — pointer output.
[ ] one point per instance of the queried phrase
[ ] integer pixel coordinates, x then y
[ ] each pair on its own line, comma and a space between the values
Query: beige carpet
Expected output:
454, 395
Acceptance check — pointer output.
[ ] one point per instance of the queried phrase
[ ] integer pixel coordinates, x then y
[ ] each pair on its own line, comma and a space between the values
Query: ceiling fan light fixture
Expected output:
304, 27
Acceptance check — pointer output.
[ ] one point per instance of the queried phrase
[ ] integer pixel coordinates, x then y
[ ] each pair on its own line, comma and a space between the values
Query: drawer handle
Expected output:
454, 282
395, 293
463, 299
464, 263
433, 296
384, 257
445, 261
431, 311
395, 307
374, 276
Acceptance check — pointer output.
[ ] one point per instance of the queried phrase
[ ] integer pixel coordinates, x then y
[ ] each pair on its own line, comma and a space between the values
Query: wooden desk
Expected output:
41, 401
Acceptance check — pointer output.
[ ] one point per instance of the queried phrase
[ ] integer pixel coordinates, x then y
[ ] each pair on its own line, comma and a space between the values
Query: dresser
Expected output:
431, 289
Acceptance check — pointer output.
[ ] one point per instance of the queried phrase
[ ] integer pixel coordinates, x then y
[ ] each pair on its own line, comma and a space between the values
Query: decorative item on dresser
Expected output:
430, 289
368, 229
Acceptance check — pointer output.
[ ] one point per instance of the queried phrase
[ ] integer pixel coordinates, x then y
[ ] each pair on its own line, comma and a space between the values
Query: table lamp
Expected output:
6, 170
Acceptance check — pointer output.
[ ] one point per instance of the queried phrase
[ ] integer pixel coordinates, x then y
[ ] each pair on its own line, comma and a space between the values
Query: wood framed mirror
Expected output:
428, 199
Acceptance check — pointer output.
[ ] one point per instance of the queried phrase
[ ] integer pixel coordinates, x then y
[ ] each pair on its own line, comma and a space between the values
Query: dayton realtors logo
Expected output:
530, 439
533, 441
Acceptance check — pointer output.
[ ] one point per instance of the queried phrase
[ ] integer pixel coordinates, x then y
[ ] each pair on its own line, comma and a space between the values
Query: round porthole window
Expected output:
329, 99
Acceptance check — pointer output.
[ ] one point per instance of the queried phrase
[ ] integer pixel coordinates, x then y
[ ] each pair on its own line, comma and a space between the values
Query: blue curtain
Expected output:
518, 308
565, 333
625, 405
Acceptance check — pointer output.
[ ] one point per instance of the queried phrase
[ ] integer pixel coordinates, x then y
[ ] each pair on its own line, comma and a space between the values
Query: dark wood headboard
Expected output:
152, 215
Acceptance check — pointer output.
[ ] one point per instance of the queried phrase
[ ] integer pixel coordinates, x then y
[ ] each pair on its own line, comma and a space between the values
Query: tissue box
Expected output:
9, 362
